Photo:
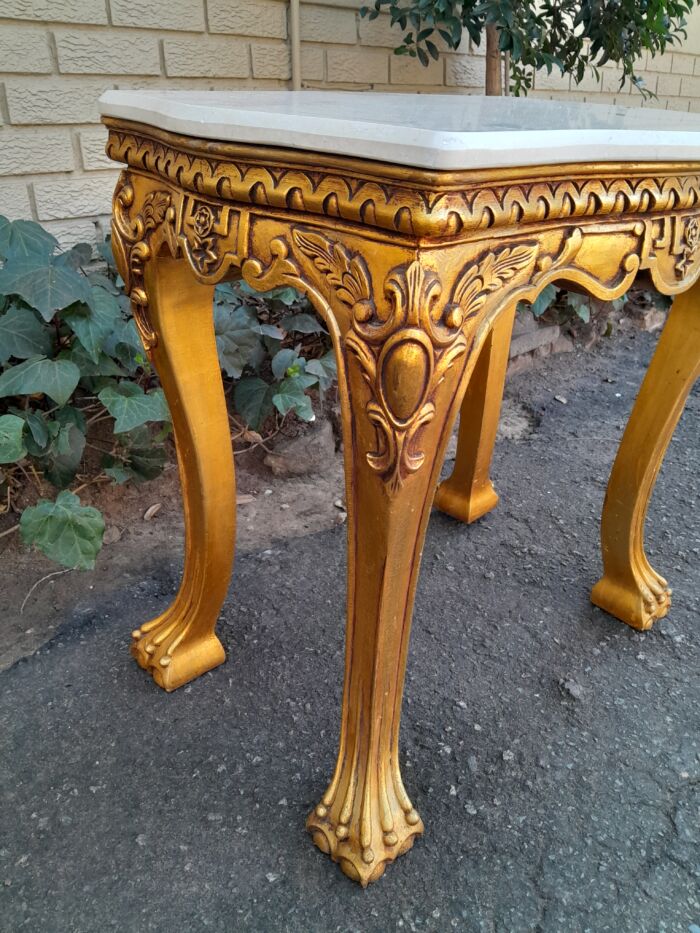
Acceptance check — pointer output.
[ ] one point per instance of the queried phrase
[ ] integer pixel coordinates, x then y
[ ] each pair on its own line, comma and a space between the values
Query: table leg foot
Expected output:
364, 863
468, 493
630, 589
180, 644
173, 664
639, 605
451, 499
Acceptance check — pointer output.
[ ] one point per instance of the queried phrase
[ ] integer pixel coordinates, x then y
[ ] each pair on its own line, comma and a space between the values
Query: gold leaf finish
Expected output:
417, 275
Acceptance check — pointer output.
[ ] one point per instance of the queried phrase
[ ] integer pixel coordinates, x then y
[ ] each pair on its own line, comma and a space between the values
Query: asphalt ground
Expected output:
553, 753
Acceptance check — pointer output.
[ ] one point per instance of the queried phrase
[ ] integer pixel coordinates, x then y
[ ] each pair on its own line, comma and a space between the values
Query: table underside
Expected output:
416, 275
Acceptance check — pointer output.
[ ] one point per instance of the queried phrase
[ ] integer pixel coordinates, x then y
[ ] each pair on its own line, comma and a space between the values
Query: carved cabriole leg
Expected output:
181, 644
398, 432
404, 321
468, 493
172, 308
630, 589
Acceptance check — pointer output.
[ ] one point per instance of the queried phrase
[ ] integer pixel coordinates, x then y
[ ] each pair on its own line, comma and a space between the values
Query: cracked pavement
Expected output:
553, 753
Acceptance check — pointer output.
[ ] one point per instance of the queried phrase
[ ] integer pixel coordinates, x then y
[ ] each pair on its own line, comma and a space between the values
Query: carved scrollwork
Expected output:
412, 201
406, 345
131, 244
689, 247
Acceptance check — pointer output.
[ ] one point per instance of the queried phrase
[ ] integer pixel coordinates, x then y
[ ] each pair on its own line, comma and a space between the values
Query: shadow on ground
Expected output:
553, 753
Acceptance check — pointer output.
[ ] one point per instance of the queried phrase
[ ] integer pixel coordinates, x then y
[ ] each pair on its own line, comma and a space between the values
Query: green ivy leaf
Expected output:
62, 462
76, 257
253, 400
544, 300
12, 447
324, 369
94, 321
23, 238
43, 284
138, 464
22, 335
580, 304
290, 396
5, 227
55, 378
131, 407
38, 433
89, 368
64, 530
117, 470
302, 324
237, 343
283, 361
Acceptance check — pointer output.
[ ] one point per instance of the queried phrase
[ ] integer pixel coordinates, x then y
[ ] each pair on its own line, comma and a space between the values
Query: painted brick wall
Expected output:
57, 56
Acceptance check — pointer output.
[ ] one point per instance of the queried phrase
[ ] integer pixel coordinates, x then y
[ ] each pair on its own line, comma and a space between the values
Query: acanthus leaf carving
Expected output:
406, 345
132, 248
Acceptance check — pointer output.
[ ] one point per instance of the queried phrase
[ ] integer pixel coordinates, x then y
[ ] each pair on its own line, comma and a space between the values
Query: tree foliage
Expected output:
573, 36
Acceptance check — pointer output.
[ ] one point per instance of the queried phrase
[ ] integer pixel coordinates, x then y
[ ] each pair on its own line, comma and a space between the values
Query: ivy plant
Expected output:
71, 359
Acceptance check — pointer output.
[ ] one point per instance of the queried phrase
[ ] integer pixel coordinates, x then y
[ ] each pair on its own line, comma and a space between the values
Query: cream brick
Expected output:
588, 83
655, 103
659, 62
465, 71
266, 19
107, 52
682, 64
59, 11
610, 82
633, 100
551, 82
678, 103
92, 149
155, 14
326, 24
607, 99
24, 50
206, 57
406, 70
56, 101
380, 32
690, 87
83, 230
271, 60
651, 82
358, 65
14, 200
312, 62
668, 85
74, 197
25, 151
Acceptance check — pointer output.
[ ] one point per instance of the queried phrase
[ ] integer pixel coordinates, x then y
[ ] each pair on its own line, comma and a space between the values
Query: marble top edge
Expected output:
429, 131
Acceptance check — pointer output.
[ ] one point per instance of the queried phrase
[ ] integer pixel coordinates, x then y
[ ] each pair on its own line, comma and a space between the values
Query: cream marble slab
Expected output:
432, 131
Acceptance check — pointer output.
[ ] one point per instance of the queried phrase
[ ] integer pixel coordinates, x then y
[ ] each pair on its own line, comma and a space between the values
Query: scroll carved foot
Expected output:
630, 588
160, 647
388, 827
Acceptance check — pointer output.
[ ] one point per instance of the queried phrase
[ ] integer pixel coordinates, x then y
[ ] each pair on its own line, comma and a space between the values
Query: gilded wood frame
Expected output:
416, 275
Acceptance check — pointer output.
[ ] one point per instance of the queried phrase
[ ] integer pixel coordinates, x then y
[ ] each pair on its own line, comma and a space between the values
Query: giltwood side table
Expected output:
414, 225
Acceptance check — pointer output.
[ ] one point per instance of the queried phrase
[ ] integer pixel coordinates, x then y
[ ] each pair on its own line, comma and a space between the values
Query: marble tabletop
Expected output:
430, 131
